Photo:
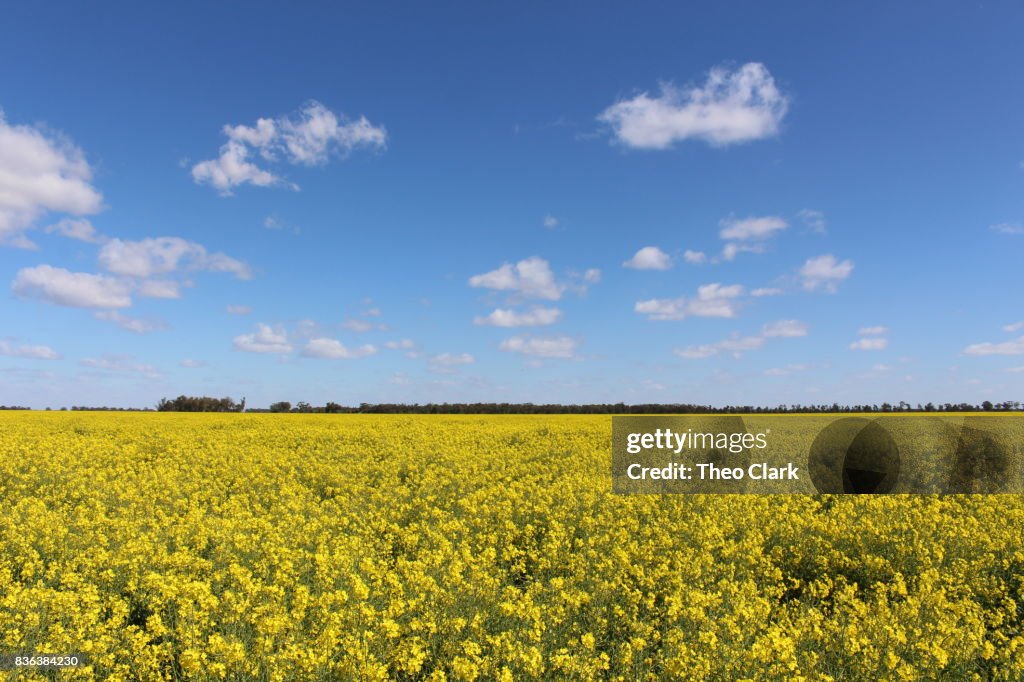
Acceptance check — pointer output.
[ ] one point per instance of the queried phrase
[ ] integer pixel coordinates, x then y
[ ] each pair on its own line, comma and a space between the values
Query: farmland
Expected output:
315, 547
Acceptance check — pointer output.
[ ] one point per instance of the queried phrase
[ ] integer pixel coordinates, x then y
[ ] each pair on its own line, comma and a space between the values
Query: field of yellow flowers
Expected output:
322, 547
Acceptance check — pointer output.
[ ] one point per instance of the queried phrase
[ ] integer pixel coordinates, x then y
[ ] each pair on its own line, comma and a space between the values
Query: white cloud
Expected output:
695, 257
748, 235
562, 347
75, 289
536, 317
1014, 370
32, 352
766, 291
649, 258
531, 277
332, 349
232, 168
239, 309
132, 324
1008, 228
192, 364
1014, 347
372, 312
550, 221
163, 255
120, 363
159, 288
873, 331
873, 343
358, 326
824, 272
729, 108
309, 138
814, 220
696, 352
784, 329
265, 339
737, 345
730, 250
592, 276
401, 344
40, 172
76, 228
448, 363
1015, 327
750, 228
787, 370
712, 300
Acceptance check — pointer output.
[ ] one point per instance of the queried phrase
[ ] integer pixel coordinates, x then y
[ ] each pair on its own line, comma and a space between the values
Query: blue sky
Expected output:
709, 203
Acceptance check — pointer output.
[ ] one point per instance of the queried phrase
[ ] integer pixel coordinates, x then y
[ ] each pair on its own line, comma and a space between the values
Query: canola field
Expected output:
357, 547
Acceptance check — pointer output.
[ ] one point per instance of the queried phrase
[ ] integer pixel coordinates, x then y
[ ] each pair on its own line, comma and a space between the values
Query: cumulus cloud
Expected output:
784, 329
712, 300
74, 289
761, 292
1014, 327
550, 221
531, 277
649, 258
232, 168
737, 345
448, 363
750, 228
400, 344
332, 349
535, 317
695, 257
787, 370
1014, 347
813, 220
308, 138
1007, 228
731, 107
163, 255
76, 228
873, 331
238, 309
126, 322
120, 363
159, 288
191, 363
748, 235
871, 343
561, 347
824, 272
40, 172
32, 352
358, 326
265, 339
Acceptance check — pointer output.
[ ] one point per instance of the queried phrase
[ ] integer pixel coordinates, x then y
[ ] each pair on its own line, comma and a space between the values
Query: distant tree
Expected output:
185, 403
282, 406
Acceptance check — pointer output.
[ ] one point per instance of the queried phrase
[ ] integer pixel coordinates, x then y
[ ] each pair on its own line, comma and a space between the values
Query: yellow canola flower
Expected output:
358, 547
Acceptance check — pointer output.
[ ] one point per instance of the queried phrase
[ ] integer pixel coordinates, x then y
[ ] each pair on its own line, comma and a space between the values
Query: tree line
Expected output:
187, 404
